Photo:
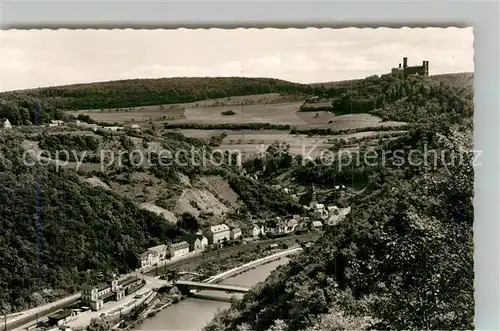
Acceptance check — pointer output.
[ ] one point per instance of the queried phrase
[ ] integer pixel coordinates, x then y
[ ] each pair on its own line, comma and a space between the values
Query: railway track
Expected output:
230, 250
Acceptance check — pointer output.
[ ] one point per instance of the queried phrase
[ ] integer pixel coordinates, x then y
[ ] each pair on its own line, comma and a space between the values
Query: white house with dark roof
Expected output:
200, 243
217, 233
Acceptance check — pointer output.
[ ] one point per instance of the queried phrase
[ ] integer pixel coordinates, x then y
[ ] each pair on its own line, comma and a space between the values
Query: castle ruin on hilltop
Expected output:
405, 70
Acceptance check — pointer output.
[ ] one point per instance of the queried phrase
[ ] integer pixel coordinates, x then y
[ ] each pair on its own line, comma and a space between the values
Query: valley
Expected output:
137, 165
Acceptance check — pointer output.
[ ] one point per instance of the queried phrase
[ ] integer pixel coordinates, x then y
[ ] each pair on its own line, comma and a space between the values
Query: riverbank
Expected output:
158, 306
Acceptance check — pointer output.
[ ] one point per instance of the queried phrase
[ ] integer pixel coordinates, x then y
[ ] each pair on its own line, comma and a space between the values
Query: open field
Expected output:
137, 114
345, 122
251, 141
271, 108
280, 113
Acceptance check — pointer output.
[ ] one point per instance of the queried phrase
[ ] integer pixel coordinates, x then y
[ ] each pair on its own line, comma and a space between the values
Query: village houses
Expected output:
113, 128
179, 249
98, 296
217, 233
317, 226
336, 215
319, 210
153, 256
235, 233
257, 230
280, 225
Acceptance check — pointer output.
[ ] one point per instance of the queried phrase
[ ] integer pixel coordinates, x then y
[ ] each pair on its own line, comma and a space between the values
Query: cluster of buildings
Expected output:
330, 215
406, 70
286, 225
221, 233
94, 127
318, 216
5, 124
98, 296
215, 235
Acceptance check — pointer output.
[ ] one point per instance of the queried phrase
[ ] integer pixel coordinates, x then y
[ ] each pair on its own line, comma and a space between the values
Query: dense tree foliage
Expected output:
262, 200
81, 228
22, 109
410, 99
402, 259
421, 96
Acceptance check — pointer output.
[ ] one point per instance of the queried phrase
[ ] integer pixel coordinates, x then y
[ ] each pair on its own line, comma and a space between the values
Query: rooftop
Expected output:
317, 223
146, 253
219, 228
158, 249
102, 286
107, 295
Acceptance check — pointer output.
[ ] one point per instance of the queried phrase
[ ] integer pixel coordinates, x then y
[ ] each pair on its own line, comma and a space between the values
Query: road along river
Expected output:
194, 313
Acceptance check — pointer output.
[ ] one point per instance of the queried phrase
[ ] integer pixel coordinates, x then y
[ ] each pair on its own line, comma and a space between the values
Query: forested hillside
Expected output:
86, 230
411, 99
402, 259
81, 228
363, 95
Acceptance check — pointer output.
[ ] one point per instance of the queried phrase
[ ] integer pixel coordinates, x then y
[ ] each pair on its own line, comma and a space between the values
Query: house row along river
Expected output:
195, 312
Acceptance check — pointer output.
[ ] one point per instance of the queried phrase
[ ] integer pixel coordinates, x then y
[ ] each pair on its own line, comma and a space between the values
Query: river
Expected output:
194, 313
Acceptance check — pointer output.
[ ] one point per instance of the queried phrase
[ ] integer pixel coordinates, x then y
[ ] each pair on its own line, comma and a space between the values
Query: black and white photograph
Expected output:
294, 179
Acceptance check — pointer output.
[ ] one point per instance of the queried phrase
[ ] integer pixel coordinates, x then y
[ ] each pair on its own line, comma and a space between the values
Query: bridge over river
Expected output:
186, 286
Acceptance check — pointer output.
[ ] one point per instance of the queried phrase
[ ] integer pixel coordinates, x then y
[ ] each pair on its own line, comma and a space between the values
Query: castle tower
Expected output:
405, 62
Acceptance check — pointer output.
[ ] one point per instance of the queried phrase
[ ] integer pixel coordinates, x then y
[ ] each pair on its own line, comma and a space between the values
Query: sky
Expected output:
40, 58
